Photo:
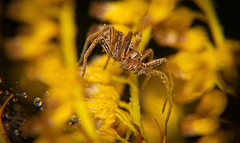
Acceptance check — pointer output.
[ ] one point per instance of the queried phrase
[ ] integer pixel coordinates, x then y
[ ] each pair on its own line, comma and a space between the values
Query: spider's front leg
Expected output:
124, 48
90, 39
115, 42
100, 40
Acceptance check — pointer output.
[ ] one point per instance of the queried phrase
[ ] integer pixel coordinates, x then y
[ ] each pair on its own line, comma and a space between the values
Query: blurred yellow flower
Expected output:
212, 104
186, 65
194, 125
125, 12
94, 108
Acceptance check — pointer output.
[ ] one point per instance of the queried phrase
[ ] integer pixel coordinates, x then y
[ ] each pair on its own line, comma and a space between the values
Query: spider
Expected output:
121, 48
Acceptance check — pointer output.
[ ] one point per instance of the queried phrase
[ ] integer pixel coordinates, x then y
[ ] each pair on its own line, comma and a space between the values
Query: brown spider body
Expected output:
121, 48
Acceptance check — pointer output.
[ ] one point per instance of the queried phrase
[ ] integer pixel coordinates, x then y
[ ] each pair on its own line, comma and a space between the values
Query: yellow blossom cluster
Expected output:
91, 108
200, 65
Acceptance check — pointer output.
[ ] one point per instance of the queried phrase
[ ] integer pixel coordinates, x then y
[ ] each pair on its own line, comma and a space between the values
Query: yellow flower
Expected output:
205, 119
103, 100
127, 12
53, 63
93, 108
198, 62
198, 71
195, 125
137, 15
212, 104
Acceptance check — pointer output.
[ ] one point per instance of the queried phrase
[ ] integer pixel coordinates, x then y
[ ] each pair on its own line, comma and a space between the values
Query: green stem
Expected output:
68, 33
208, 9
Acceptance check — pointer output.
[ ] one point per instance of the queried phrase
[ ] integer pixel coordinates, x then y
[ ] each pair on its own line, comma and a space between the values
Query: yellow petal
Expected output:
119, 12
193, 39
197, 70
194, 125
35, 44
217, 137
212, 103
158, 10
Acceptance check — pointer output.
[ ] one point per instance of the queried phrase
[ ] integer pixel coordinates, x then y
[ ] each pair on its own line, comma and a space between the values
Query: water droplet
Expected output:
164, 81
24, 95
37, 101
162, 77
16, 132
7, 116
41, 109
70, 123
14, 100
74, 119
6, 92
47, 93
7, 126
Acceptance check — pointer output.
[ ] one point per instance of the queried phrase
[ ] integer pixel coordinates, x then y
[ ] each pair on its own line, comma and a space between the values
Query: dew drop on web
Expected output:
14, 99
24, 95
164, 81
162, 77
37, 102
16, 132
41, 109
6, 92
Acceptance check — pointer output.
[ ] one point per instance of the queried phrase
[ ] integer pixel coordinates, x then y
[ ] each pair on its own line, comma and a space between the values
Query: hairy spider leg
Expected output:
147, 53
125, 49
115, 47
155, 63
170, 99
169, 88
126, 45
112, 43
106, 47
89, 40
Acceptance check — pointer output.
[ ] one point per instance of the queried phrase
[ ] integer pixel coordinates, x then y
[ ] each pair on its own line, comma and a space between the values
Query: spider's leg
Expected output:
126, 44
117, 45
169, 88
112, 41
156, 62
105, 66
137, 42
89, 40
112, 33
147, 53
170, 100
91, 47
